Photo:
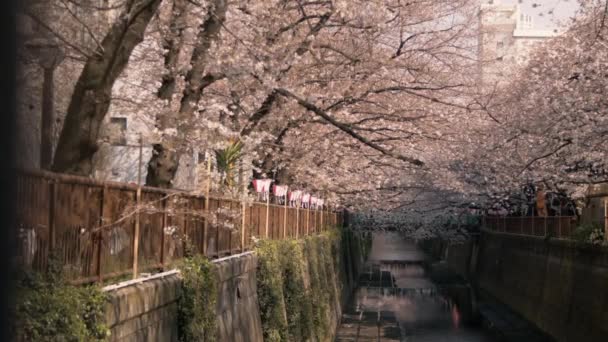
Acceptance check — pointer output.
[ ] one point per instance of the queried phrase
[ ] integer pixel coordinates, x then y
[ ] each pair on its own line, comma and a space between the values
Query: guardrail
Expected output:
560, 227
100, 230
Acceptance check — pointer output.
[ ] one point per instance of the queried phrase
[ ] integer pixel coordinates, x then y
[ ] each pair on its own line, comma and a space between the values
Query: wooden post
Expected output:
297, 220
307, 221
322, 214
285, 219
52, 199
243, 213
136, 233
162, 233
141, 147
206, 221
99, 235
267, 211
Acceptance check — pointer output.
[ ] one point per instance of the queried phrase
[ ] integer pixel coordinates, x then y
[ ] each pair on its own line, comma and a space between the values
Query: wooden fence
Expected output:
560, 227
99, 230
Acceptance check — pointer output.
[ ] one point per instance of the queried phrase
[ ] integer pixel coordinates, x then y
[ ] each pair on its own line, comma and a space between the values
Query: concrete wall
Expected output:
147, 310
559, 286
144, 311
238, 311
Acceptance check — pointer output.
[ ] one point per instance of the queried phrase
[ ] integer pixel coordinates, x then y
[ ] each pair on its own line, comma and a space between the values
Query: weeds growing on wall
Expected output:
49, 309
296, 289
297, 297
270, 292
196, 305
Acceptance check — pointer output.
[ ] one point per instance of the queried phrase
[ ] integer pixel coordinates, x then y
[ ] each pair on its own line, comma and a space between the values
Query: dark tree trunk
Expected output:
91, 98
161, 162
165, 161
46, 136
173, 43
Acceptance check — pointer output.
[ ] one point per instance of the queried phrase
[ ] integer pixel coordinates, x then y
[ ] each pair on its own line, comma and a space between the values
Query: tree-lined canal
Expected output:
397, 301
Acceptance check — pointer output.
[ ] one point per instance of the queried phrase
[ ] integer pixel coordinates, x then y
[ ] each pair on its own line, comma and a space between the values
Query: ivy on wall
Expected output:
270, 292
196, 305
299, 286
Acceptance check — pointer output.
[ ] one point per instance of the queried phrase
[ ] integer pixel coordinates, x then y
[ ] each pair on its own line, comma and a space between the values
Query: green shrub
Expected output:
589, 233
298, 304
197, 303
270, 292
49, 309
294, 308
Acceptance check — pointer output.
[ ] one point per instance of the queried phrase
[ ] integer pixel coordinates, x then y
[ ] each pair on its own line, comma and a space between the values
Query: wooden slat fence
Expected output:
560, 227
99, 230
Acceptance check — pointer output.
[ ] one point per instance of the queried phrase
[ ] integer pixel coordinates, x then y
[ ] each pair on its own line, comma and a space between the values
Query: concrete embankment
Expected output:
560, 286
526, 285
147, 309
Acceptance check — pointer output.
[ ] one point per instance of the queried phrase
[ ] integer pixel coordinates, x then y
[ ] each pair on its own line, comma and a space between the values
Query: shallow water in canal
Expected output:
397, 301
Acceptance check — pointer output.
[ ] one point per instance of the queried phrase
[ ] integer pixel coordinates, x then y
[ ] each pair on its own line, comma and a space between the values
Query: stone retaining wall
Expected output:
147, 310
144, 311
558, 285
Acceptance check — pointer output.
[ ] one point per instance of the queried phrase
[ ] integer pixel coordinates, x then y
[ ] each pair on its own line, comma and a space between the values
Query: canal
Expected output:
396, 300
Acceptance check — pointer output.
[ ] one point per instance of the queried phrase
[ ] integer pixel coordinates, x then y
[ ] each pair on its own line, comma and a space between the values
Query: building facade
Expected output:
507, 36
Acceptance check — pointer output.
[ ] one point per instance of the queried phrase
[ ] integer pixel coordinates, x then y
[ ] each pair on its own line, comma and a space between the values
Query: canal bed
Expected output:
397, 301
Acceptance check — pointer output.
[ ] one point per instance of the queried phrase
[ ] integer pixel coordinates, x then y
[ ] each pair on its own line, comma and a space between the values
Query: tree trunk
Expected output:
46, 136
165, 159
91, 98
173, 43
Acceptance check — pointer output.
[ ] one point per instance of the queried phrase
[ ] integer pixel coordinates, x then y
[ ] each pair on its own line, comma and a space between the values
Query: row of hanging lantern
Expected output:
294, 198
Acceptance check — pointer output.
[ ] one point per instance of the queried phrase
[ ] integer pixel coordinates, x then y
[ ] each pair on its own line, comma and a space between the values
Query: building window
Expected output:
117, 131
499, 58
500, 45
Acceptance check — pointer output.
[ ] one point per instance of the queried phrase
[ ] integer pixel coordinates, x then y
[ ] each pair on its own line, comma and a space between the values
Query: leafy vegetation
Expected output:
270, 291
227, 161
49, 309
196, 306
589, 233
298, 298
298, 287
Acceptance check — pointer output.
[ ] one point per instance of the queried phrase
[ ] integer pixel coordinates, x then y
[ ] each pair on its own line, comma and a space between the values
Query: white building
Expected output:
506, 38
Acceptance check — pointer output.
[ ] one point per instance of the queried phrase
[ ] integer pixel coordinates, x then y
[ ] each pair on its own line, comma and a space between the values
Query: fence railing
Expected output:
560, 227
99, 230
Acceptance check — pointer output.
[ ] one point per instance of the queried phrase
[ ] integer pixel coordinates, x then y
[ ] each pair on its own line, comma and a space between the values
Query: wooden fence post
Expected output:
52, 199
162, 233
307, 221
285, 219
267, 212
297, 220
322, 214
206, 221
136, 233
99, 235
243, 222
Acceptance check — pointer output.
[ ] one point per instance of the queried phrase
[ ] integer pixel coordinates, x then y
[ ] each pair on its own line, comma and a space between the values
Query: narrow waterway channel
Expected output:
397, 301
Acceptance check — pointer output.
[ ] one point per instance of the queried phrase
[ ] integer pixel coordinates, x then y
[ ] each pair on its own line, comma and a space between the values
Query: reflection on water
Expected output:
395, 286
